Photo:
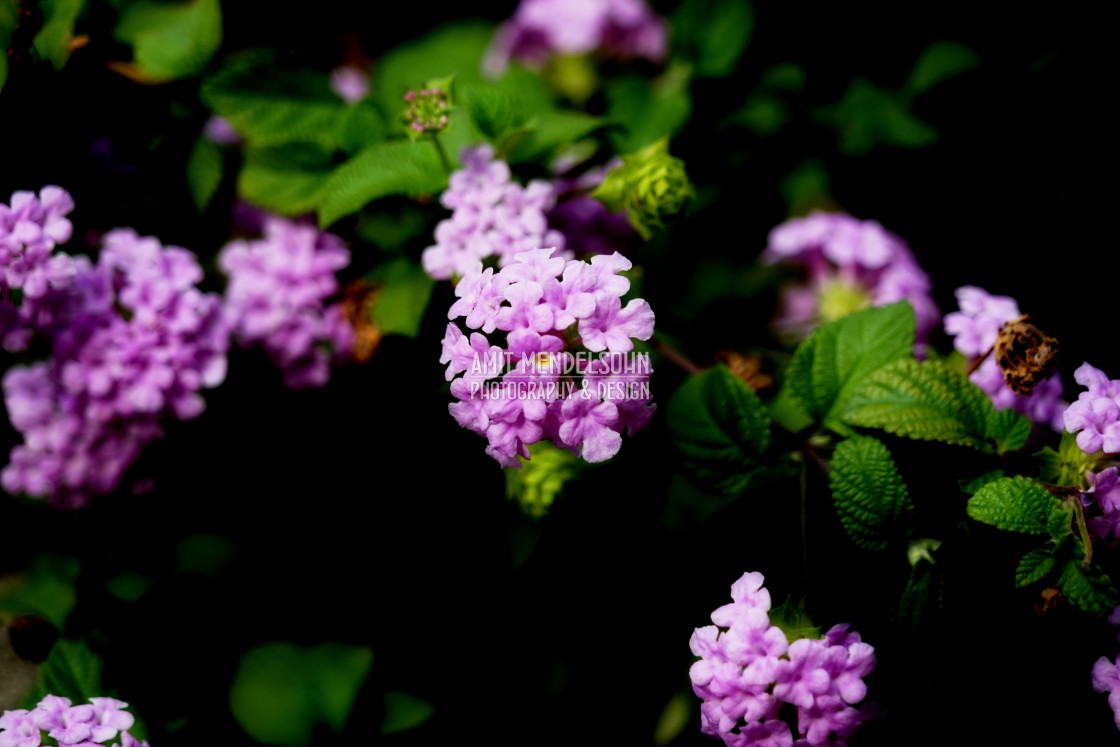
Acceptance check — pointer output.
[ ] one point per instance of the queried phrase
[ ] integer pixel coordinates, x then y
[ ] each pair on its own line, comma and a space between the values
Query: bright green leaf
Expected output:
287, 180
939, 61
1036, 565
282, 691
924, 400
1008, 429
385, 168
836, 358
719, 428
868, 491
53, 40
1020, 504
171, 40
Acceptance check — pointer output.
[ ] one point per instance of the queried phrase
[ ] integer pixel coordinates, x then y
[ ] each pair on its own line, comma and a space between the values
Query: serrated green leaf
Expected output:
1008, 429
274, 100
713, 34
71, 670
719, 428
833, 362
204, 171
924, 400
385, 168
1088, 589
171, 40
1036, 565
939, 61
542, 477
53, 40
286, 180
1019, 504
282, 691
402, 297
867, 490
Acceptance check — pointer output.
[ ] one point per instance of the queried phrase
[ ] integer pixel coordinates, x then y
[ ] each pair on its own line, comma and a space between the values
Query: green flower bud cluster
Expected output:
649, 185
426, 110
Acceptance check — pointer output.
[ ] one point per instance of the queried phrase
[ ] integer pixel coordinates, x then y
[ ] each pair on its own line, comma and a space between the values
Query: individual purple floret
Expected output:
492, 216
133, 341
974, 328
848, 264
540, 29
553, 358
277, 294
100, 722
350, 83
747, 672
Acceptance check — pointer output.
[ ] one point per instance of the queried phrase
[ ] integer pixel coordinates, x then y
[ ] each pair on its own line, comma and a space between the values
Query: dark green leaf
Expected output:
46, 588
720, 429
836, 358
939, 61
171, 40
869, 494
204, 171
550, 131
282, 691
713, 34
1020, 504
1087, 589
385, 168
647, 111
9, 16
71, 670
1008, 429
404, 712
921, 599
402, 297
868, 115
1036, 565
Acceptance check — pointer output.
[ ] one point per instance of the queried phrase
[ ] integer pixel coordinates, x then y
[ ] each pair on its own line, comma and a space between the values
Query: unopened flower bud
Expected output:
649, 185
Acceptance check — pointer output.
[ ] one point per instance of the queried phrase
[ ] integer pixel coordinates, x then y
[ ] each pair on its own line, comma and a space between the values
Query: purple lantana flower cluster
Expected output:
552, 357
748, 671
1106, 674
1095, 419
102, 721
277, 298
133, 341
974, 329
541, 29
492, 216
848, 264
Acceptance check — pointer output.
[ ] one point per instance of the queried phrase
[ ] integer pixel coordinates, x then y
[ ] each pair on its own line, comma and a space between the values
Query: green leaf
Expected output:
673, 719
719, 428
929, 401
868, 116
550, 131
921, 599
71, 670
46, 588
869, 494
53, 40
204, 171
171, 40
1020, 504
1036, 565
281, 691
939, 61
806, 188
287, 180
1088, 589
542, 477
1008, 429
385, 168
272, 100
794, 621
404, 712
713, 34
836, 358
647, 111
402, 297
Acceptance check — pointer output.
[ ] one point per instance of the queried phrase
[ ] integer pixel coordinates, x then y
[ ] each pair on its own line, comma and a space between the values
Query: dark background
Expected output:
362, 513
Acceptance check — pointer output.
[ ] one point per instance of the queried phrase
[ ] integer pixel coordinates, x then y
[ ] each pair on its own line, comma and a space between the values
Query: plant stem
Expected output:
443, 159
674, 355
1083, 530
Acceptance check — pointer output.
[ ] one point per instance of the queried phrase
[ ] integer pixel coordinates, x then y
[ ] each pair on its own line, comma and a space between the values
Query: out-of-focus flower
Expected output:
542, 29
350, 83
650, 186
